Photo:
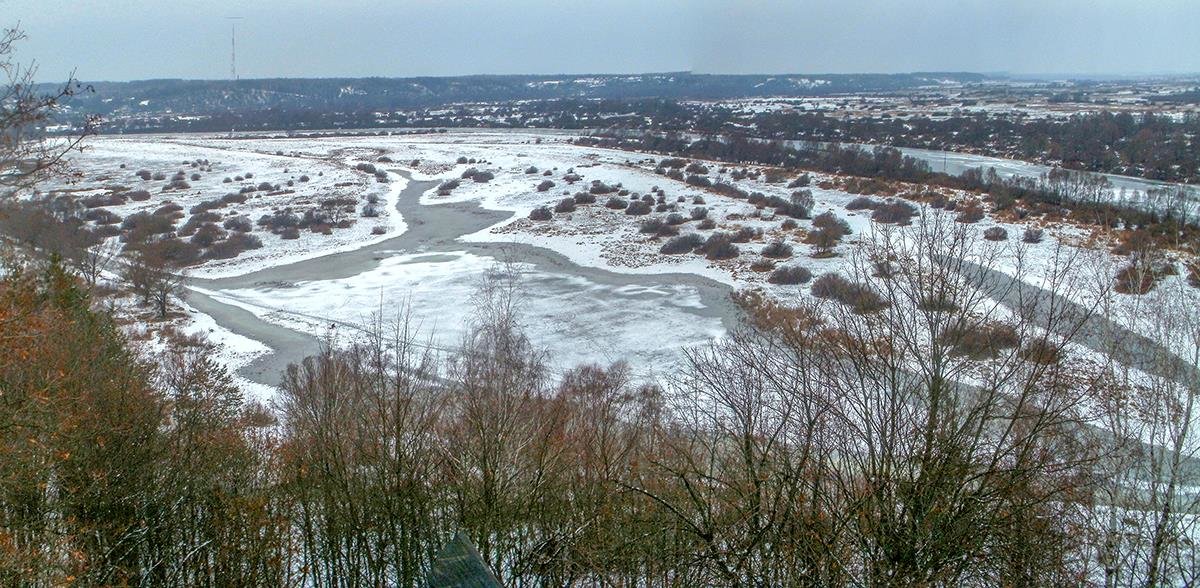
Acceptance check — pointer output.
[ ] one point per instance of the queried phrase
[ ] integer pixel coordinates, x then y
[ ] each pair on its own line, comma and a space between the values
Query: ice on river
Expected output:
576, 319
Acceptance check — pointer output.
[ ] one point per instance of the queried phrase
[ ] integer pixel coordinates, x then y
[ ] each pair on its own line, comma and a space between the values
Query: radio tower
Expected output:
233, 46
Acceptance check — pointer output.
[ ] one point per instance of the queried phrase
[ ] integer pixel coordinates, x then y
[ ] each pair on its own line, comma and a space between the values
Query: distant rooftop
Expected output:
459, 565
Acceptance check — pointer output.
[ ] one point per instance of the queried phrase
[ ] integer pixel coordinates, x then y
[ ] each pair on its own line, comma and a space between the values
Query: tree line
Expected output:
946, 434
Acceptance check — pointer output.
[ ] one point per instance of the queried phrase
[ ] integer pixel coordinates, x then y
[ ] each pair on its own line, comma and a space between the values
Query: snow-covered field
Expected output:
111, 165
576, 315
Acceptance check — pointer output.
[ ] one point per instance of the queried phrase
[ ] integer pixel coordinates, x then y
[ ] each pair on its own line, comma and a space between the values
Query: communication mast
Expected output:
233, 46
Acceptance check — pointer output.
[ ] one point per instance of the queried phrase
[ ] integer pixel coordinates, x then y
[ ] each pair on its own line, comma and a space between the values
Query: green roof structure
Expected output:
459, 565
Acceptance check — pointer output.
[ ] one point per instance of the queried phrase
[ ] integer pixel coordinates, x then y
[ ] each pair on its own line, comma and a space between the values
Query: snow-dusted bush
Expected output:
979, 341
102, 216
541, 213
801, 181
651, 225
829, 221
682, 244
207, 234
896, 212
777, 250
970, 214
790, 275
599, 187
107, 199
278, 221
862, 299
745, 234
762, 264
720, 246
862, 203
240, 224
234, 245
638, 208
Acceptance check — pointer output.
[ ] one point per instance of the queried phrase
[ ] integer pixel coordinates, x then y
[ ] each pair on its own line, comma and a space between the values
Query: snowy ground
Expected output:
98, 170
577, 319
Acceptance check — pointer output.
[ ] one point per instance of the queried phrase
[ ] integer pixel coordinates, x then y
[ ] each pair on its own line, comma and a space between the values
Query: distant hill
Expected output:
174, 99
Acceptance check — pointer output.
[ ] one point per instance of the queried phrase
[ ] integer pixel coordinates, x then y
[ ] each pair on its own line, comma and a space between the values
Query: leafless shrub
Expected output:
777, 250
790, 275
682, 244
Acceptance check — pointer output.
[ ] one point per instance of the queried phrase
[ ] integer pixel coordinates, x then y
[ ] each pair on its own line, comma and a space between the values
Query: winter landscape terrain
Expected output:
415, 224
374, 294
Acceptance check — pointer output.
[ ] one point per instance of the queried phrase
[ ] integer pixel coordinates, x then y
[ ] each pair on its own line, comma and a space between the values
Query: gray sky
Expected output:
138, 39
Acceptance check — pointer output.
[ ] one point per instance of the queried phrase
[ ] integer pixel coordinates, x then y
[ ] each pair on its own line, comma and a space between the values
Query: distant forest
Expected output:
1143, 145
1146, 145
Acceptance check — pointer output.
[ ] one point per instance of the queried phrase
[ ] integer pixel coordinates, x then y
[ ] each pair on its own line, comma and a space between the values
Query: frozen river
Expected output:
579, 314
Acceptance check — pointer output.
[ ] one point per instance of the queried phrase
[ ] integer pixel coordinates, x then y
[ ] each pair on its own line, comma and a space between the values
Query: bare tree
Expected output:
153, 279
1146, 504
27, 152
93, 260
931, 439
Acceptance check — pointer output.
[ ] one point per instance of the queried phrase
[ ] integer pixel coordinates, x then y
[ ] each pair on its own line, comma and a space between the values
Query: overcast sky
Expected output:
139, 39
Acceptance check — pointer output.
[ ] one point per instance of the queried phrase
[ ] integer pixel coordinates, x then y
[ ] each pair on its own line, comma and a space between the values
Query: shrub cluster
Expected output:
638, 208
777, 250
682, 244
106, 199
240, 224
862, 203
801, 181
599, 187
102, 216
790, 275
972, 213
896, 212
234, 245
720, 245
979, 341
860, 298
